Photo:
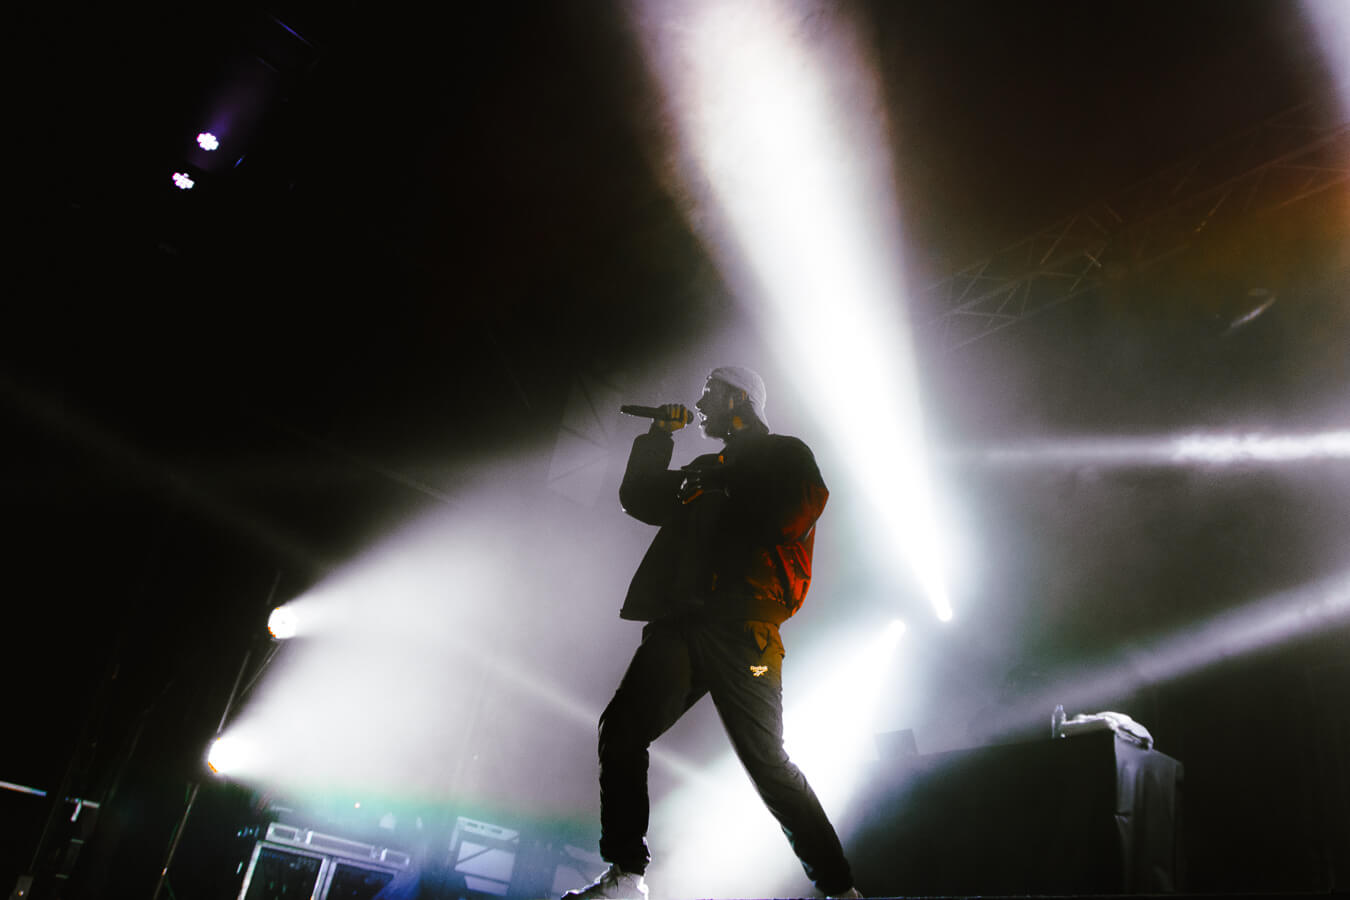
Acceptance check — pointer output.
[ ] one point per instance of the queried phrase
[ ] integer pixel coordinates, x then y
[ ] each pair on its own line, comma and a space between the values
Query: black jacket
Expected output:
743, 552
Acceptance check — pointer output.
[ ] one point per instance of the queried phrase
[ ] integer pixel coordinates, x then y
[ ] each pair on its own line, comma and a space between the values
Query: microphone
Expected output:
651, 412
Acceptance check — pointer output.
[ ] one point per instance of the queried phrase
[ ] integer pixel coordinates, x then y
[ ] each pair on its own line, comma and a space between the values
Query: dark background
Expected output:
446, 218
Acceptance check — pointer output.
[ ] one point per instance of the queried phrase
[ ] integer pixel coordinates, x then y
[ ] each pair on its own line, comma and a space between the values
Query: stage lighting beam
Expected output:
827, 734
783, 121
1329, 21
1195, 449
1292, 615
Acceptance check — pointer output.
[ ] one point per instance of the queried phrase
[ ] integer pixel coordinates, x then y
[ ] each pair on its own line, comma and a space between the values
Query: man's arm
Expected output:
650, 490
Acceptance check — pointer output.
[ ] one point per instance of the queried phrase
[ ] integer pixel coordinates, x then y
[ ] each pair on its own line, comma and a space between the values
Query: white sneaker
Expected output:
615, 884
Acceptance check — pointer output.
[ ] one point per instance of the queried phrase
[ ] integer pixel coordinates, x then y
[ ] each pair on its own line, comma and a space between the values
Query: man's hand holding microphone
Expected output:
673, 417
669, 418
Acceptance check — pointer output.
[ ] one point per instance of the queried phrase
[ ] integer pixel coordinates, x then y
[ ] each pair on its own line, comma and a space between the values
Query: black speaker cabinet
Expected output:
1089, 814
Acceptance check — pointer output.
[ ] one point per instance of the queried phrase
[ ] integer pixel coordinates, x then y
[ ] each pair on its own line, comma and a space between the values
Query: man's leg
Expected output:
744, 665
659, 687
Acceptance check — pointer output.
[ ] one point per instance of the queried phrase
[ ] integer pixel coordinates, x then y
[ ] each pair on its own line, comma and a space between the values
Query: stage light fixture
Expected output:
225, 755
208, 141
182, 181
282, 623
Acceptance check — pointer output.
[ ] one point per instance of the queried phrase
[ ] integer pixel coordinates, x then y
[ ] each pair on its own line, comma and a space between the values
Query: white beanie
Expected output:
748, 380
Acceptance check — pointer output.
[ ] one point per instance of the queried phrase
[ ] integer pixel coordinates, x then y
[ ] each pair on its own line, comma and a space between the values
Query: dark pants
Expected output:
741, 665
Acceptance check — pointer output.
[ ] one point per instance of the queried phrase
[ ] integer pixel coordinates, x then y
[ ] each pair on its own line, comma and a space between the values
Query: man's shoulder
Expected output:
783, 449
786, 443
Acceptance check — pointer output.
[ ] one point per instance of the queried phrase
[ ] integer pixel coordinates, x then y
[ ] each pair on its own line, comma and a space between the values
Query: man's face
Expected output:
717, 408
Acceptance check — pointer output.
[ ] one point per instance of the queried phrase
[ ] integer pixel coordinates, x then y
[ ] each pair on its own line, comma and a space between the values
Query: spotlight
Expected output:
207, 141
182, 181
282, 623
226, 755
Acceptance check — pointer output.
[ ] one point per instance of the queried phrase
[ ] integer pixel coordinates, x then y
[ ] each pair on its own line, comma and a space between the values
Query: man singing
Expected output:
730, 563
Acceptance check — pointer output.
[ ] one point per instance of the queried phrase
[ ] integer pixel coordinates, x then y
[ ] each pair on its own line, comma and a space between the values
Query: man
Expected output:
730, 563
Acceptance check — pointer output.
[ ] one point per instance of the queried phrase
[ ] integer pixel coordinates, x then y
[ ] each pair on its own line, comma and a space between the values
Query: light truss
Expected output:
1297, 153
